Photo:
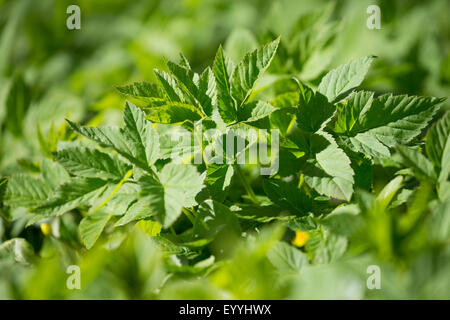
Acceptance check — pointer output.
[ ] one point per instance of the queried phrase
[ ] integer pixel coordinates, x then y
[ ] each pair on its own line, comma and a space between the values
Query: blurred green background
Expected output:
72, 73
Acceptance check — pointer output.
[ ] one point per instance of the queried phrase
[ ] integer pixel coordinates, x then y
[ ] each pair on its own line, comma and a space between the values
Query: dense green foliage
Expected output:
90, 174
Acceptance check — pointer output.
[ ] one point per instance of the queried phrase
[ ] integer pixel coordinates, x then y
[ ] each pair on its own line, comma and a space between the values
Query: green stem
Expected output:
246, 185
189, 215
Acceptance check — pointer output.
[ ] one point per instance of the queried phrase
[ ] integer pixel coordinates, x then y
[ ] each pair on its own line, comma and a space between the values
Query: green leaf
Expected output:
92, 226
286, 100
145, 139
110, 137
287, 258
176, 188
72, 194
287, 196
91, 163
137, 211
218, 179
250, 69
25, 191
207, 93
138, 142
222, 69
343, 220
17, 104
17, 250
254, 110
344, 78
439, 226
422, 167
141, 90
214, 216
396, 119
53, 173
185, 76
437, 139
372, 126
283, 119
121, 201
173, 112
331, 173
313, 110
368, 144
171, 89
349, 112
3, 183
445, 171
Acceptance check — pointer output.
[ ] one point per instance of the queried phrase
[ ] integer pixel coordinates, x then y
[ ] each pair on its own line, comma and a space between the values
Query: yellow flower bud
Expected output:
46, 229
300, 238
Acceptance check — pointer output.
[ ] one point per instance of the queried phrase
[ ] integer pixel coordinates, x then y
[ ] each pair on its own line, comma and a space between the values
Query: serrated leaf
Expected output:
176, 188
144, 138
171, 89
222, 70
74, 193
344, 78
110, 137
138, 142
437, 138
141, 90
422, 167
372, 126
254, 110
53, 173
121, 201
396, 119
250, 69
313, 110
137, 211
184, 75
25, 191
349, 113
368, 145
207, 95
91, 163
92, 226
331, 173
200, 89
218, 179
173, 112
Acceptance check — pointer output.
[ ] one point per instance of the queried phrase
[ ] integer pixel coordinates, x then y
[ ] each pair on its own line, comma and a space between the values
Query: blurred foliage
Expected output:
49, 73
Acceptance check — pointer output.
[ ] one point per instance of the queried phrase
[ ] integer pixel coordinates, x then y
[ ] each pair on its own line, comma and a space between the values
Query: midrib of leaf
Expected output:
115, 190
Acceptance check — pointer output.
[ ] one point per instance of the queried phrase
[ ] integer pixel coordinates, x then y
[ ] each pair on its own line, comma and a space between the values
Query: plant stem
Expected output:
246, 185
189, 215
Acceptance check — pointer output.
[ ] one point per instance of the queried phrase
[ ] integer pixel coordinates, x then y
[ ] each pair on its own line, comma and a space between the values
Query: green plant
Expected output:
354, 176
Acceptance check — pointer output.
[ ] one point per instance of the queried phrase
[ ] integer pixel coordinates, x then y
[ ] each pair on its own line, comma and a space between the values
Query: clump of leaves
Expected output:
332, 139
